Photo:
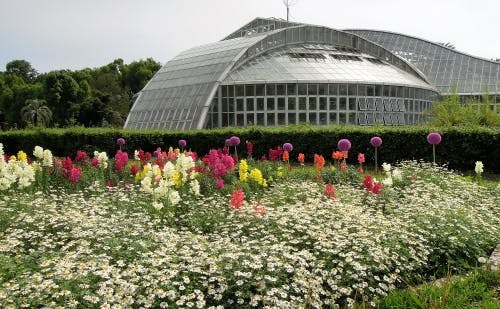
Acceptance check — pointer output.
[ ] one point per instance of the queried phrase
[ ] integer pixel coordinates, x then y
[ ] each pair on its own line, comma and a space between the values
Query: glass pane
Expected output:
250, 120
271, 89
292, 118
240, 90
333, 89
281, 119
250, 105
342, 118
322, 103
342, 103
260, 104
291, 89
352, 104
333, 118
281, 104
249, 90
312, 118
343, 89
260, 119
280, 89
312, 104
270, 104
259, 90
312, 89
302, 89
302, 103
333, 104
270, 119
291, 104
302, 117
322, 89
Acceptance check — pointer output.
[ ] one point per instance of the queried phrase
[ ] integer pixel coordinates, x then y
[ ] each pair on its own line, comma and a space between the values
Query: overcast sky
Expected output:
75, 34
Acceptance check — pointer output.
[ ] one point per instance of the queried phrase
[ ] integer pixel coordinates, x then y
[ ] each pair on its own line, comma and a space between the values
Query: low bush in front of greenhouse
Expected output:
177, 228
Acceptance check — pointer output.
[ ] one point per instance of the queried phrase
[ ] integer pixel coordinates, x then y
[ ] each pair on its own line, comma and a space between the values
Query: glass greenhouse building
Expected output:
271, 72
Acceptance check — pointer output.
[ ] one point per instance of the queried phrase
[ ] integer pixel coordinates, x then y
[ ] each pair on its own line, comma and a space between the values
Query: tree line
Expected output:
96, 97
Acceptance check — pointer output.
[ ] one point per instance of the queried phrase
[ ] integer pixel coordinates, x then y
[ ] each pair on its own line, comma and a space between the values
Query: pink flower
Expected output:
219, 183
81, 156
237, 199
361, 158
343, 166
74, 175
377, 188
259, 209
95, 162
121, 160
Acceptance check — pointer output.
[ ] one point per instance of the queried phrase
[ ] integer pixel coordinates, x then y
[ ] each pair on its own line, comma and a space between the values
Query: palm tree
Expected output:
36, 112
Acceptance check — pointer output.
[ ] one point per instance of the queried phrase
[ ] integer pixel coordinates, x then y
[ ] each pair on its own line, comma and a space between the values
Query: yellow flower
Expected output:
12, 158
176, 178
21, 156
256, 175
243, 170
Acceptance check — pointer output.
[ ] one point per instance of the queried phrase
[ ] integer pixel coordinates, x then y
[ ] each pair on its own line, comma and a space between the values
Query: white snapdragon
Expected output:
479, 168
387, 181
38, 152
103, 160
174, 197
136, 155
48, 160
194, 185
397, 175
386, 167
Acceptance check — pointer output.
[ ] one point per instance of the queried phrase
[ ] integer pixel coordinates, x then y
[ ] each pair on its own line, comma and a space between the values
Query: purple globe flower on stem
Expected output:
228, 142
287, 147
344, 144
235, 140
434, 139
182, 143
376, 141
120, 141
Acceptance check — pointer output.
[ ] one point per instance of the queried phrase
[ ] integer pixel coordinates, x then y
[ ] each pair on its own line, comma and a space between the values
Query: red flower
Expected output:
330, 190
134, 169
81, 156
377, 188
286, 156
337, 155
237, 199
368, 182
301, 158
319, 161
249, 148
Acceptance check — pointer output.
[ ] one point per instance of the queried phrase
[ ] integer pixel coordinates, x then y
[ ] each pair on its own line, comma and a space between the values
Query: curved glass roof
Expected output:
176, 96
180, 93
445, 68
321, 63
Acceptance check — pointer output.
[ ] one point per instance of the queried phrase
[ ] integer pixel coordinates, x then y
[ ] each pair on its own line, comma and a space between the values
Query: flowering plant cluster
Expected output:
15, 170
218, 164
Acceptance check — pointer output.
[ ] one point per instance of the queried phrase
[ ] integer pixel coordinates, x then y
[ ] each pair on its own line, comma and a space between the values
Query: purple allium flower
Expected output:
376, 141
182, 143
228, 142
344, 144
120, 141
155, 153
434, 138
287, 147
234, 140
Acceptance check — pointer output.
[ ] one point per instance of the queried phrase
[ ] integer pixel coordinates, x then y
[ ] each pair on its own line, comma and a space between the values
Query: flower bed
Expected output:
180, 231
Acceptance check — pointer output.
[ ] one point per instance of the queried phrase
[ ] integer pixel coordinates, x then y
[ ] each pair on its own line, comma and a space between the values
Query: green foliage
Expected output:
451, 112
460, 148
475, 290
88, 97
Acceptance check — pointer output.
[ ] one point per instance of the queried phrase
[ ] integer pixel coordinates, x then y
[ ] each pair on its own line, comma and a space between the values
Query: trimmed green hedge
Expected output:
460, 147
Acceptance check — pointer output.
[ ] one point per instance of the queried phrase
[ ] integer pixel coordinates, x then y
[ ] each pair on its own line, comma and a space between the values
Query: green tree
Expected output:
136, 74
36, 113
23, 69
